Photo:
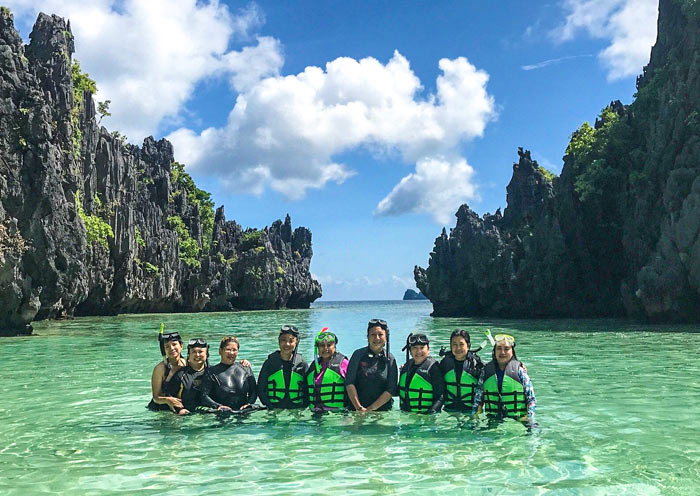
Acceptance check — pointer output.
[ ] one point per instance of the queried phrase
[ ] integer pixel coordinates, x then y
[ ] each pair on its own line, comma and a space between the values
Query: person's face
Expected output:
326, 349
376, 337
197, 356
287, 344
459, 347
504, 352
419, 352
229, 353
173, 349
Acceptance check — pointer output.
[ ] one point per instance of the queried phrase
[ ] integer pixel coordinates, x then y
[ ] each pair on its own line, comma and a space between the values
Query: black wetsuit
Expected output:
229, 385
372, 374
274, 363
186, 384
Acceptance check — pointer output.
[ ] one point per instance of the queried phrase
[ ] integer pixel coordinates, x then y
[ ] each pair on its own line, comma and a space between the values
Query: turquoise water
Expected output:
618, 406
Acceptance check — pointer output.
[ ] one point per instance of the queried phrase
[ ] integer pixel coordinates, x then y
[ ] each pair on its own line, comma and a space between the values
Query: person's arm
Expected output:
438, 388
529, 393
208, 385
350, 378
252, 388
172, 390
478, 393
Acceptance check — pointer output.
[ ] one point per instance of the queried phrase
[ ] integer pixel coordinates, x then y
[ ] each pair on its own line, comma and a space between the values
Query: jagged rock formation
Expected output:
618, 233
91, 225
411, 295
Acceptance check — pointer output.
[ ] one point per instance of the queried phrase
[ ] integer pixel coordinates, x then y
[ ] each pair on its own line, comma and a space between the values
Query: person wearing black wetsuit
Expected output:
228, 385
281, 379
373, 375
461, 369
187, 382
421, 384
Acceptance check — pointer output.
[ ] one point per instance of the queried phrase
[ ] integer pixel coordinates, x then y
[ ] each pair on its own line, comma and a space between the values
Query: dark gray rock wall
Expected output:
617, 233
56, 162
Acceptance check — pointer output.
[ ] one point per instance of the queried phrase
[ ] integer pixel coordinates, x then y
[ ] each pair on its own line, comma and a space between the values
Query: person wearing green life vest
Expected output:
281, 382
461, 369
504, 389
421, 383
325, 378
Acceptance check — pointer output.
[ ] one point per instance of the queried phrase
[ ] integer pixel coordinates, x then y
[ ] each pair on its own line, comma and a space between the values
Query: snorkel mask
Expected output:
292, 330
323, 336
166, 337
503, 338
198, 343
413, 340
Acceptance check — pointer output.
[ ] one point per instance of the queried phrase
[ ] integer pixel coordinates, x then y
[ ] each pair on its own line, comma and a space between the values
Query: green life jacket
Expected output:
331, 392
510, 400
277, 388
458, 395
417, 396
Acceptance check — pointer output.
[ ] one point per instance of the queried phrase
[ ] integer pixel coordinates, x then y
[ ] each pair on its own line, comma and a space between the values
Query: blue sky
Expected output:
368, 122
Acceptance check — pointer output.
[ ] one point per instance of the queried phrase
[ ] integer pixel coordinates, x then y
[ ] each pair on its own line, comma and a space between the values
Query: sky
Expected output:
369, 122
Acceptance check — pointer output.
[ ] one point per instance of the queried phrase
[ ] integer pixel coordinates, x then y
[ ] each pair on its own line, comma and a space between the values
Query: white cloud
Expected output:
629, 25
546, 63
437, 187
283, 132
148, 56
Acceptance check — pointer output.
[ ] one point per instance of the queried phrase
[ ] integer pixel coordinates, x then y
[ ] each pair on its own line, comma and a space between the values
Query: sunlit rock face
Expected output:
92, 225
618, 232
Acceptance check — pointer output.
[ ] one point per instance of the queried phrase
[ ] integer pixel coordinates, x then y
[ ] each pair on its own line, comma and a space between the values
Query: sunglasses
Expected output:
197, 342
290, 329
378, 322
417, 339
171, 336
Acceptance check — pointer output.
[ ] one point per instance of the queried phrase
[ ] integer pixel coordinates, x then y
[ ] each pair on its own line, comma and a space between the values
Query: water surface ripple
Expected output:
617, 405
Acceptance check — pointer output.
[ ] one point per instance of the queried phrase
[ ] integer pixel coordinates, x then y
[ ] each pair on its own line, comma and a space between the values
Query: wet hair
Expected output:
461, 333
226, 340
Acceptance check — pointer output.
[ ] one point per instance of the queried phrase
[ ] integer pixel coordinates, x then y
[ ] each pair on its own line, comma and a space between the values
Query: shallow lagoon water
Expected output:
618, 404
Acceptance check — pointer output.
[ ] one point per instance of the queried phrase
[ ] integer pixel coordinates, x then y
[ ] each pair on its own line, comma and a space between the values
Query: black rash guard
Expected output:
186, 384
229, 385
372, 374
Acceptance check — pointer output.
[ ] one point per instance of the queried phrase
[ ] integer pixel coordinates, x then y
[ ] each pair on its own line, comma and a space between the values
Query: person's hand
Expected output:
361, 409
224, 408
174, 402
244, 362
184, 411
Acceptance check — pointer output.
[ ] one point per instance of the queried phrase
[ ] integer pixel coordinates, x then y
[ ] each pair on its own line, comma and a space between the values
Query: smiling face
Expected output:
459, 347
503, 352
287, 344
326, 350
376, 337
197, 357
173, 349
419, 352
229, 353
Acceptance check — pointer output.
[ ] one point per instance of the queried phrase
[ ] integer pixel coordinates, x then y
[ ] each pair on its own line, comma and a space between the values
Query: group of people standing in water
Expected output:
368, 381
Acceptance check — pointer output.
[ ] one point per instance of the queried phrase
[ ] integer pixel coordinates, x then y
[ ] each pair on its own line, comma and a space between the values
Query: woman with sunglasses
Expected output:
229, 385
504, 388
187, 382
372, 375
421, 385
325, 379
171, 349
461, 369
281, 379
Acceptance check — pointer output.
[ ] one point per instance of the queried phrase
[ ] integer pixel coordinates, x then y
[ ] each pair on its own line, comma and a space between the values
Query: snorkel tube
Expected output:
324, 335
160, 339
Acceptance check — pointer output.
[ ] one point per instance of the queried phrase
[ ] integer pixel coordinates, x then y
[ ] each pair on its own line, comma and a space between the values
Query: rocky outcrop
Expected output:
618, 233
411, 295
91, 225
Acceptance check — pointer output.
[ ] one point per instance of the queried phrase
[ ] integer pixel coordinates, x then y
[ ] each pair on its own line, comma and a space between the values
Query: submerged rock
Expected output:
618, 233
92, 225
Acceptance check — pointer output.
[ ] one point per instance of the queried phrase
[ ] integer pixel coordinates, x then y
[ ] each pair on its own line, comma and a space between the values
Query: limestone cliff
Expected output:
91, 225
618, 233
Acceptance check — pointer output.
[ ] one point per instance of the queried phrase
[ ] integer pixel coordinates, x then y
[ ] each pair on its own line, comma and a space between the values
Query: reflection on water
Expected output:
617, 405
